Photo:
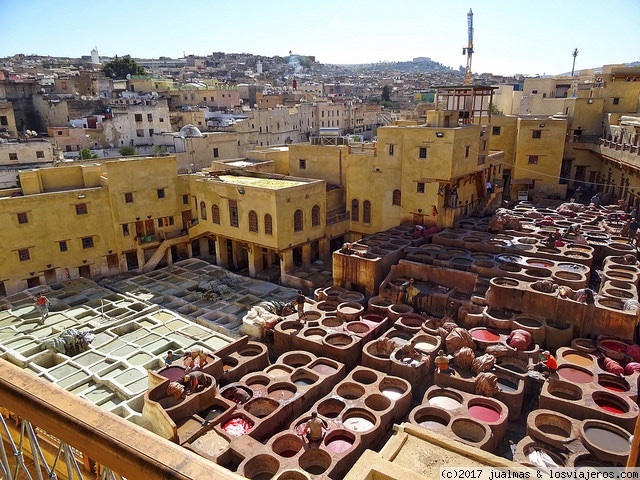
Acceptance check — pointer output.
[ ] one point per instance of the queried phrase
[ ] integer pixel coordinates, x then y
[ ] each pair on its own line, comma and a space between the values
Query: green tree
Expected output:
127, 151
495, 111
85, 154
386, 93
119, 68
159, 149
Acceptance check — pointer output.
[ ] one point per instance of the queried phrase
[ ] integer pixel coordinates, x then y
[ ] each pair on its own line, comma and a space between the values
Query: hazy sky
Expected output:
515, 36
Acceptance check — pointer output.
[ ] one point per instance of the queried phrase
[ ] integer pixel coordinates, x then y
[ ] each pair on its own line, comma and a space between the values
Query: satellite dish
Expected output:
128, 76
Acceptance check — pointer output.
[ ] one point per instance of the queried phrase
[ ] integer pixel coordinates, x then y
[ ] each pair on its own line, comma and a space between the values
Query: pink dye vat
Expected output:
339, 444
237, 426
358, 424
281, 394
323, 369
445, 402
614, 345
575, 375
484, 413
485, 335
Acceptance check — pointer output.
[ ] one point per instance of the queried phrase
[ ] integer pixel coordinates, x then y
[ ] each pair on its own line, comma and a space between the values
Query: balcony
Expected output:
147, 239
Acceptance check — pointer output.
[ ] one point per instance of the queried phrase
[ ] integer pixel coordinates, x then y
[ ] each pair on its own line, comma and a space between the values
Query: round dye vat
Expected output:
303, 382
484, 335
433, 423
609, 407
323, 368
614, 345
484, 413
237, 426
445, 402
287, 454
506, 385
172, 373
575, 375
281, 394
578, 359
608, 440
339, 444
392, 393
425, 347
611, 386
358, 424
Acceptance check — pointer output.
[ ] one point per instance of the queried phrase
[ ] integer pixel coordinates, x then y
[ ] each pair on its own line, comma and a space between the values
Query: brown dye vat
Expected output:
290, 326
315, 333
287, 445
553, 425
278, 371
538, 272
339, 339
505, 282
323, 368
331, 322
615, 292
174, 374
350, 390
315, 461
261, 467
432, 418
366, 377
250, 351
330, 408
377, 402
296, 359
229, 363
261, 407
565, 390
357, 327
257, 381
575, 375
578, 359
282, 391
468, 430
513, 365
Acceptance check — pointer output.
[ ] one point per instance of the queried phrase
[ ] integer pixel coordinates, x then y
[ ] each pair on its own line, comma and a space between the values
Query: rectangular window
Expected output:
149, 117
23, 255
23, 218
13, 156
533, 159
3, 120
302, 163
467, 149
391, 148
216, 153
63, 245
420, 188
151, 132
59, 132
81, 209
68, 148
161, 193
138, 117
185, 199
481, 159
140, 132
495, 131
125, 230
422, 153
87, 242
39, 154
128, 197
161, 120
536, 134
233, 213
616, 100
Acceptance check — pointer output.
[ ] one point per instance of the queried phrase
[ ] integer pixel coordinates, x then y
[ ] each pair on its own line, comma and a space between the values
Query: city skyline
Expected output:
509, 37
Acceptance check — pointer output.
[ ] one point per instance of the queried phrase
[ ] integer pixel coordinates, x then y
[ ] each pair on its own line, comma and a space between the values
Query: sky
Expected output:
510, 37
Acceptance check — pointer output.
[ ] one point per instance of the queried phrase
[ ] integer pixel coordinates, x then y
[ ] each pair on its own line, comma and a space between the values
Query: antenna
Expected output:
468, 51
575, 54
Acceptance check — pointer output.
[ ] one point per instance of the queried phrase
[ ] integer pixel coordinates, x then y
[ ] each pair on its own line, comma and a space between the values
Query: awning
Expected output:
523, 181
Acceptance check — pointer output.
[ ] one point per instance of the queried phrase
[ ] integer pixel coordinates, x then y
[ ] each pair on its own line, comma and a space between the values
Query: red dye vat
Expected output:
485, 335
174, 374
484, 413
612, 387
575, 375
339, 444
613, 345
237, 426
610, 407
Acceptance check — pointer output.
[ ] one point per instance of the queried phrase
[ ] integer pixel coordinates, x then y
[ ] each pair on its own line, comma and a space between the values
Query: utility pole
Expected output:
575, 54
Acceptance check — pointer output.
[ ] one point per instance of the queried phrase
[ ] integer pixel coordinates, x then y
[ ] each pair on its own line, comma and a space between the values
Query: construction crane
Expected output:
468, 51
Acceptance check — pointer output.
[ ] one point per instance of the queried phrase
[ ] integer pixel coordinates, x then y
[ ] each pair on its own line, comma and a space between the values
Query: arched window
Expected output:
215, 214
315, 216
268, 225
366, 211
355, 210
297, 221
397, 198
253, 221
203, 210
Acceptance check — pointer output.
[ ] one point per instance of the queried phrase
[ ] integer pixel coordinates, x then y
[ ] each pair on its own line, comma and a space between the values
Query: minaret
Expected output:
95, 58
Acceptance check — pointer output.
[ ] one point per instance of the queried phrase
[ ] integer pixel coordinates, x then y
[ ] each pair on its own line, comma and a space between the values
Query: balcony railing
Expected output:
340, 217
